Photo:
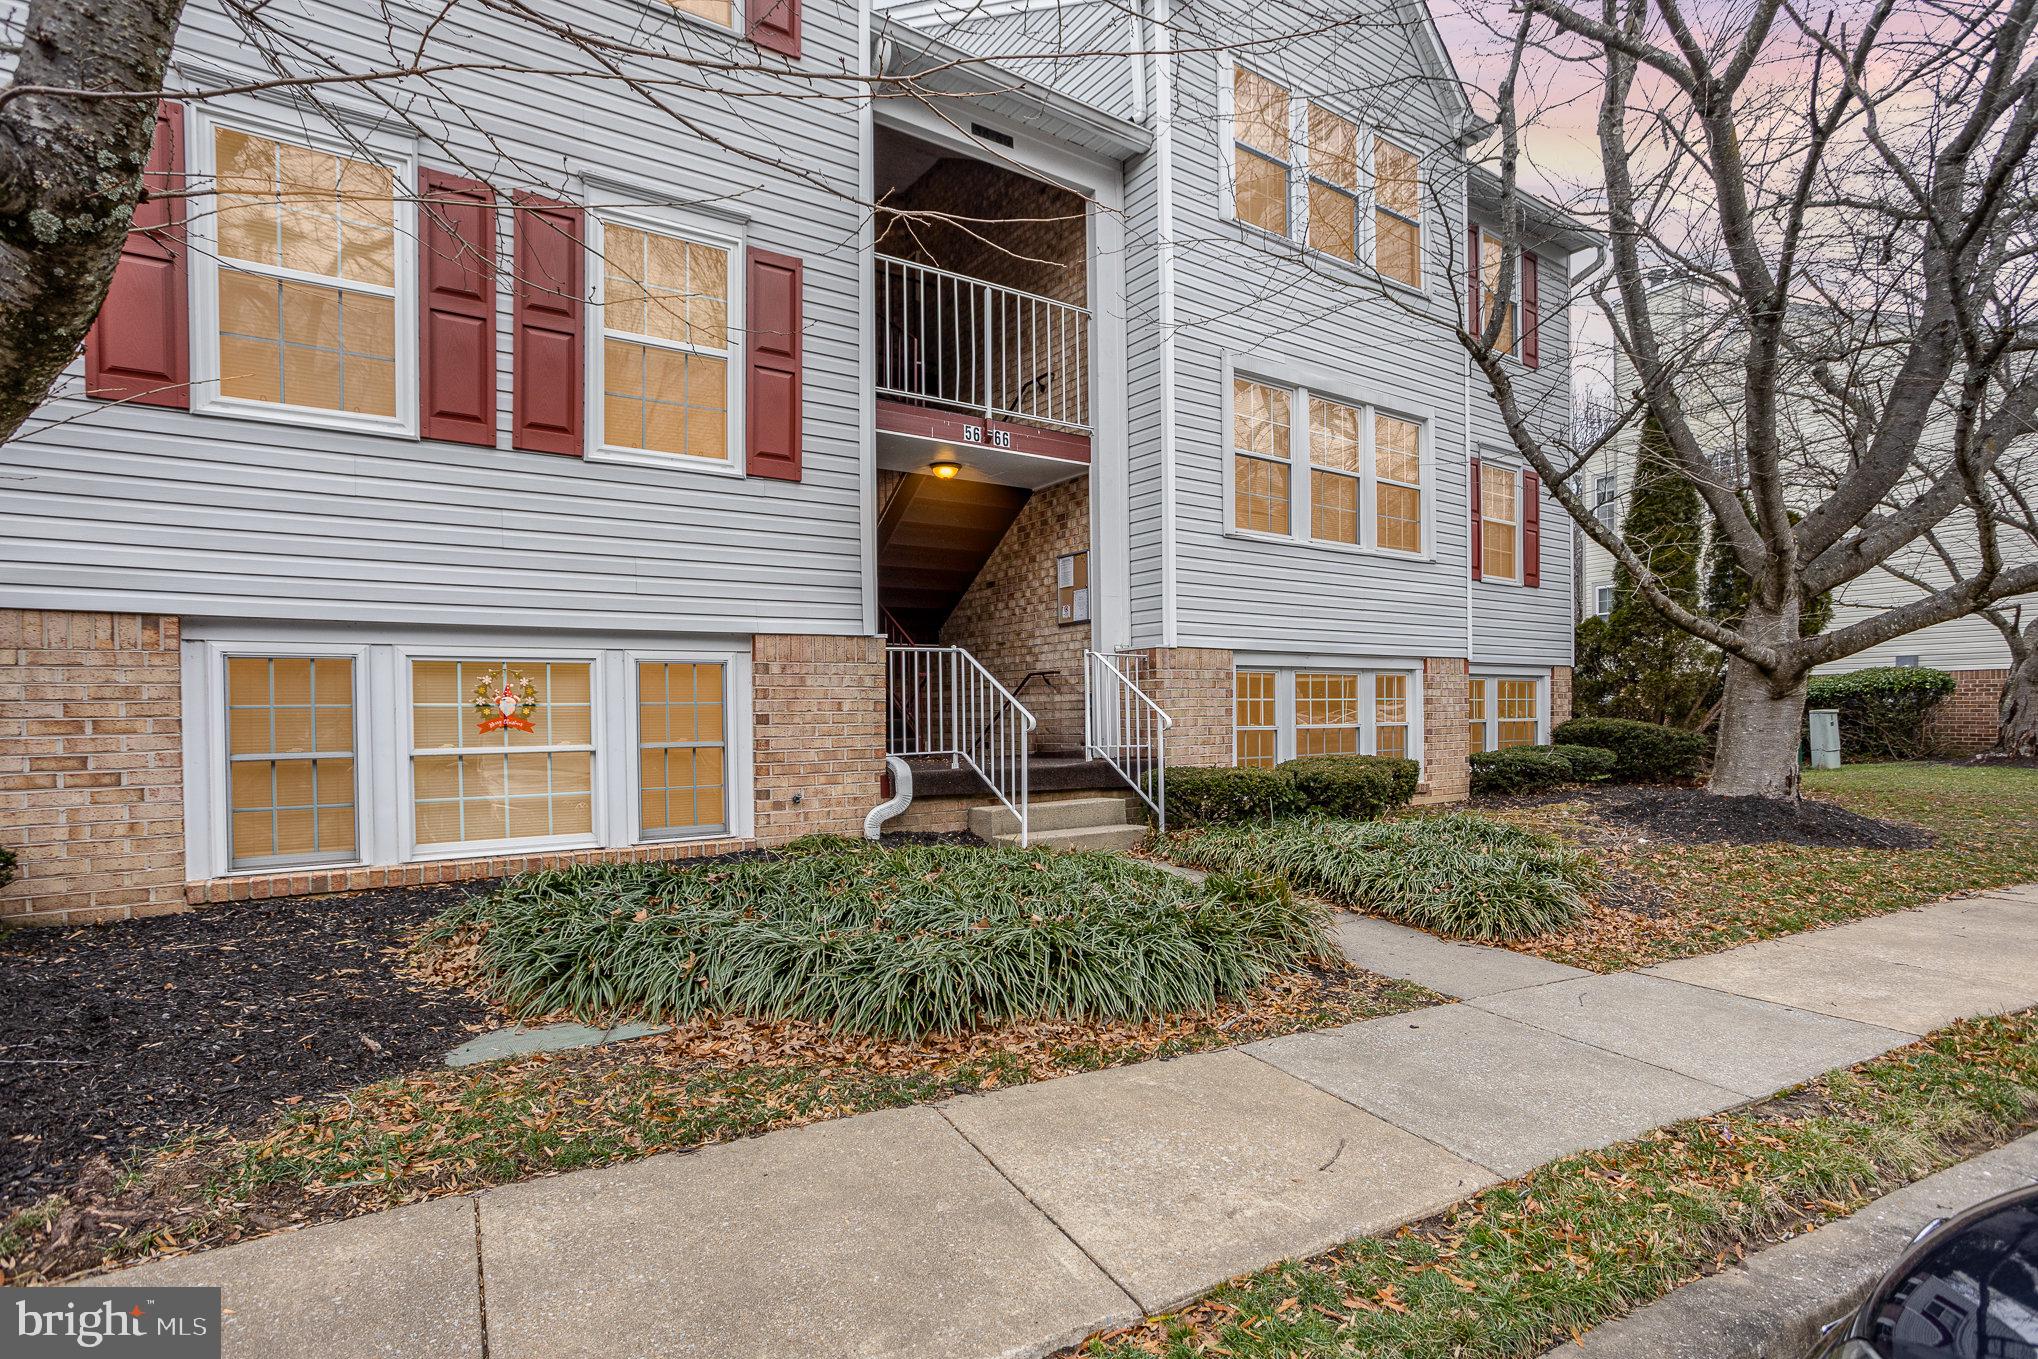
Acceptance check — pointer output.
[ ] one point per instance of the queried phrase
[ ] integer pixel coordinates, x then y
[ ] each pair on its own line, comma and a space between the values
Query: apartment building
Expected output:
457, 490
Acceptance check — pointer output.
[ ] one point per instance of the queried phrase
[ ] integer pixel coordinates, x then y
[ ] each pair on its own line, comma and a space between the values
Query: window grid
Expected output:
1504, 713
306, 278
1500, 522
665, 343
1390, 716
1257, 719
1397, 213
470, 786
1333, 158
1326, 714
1261, 450
290, 760
1476, 703
1262, 145
1397, 473
682, 748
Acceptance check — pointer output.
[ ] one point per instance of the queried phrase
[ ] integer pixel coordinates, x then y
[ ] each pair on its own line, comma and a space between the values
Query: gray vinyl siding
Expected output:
1265, 306
135, 508
1516, 624
1082, 48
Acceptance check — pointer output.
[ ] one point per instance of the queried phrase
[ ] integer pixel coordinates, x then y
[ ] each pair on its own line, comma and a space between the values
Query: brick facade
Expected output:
1193, 685
91, 766
1007, 619
1968, 720
1446, 742
1560, 696
819, 706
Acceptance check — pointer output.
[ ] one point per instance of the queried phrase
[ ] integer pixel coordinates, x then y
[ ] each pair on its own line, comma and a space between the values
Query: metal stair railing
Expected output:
1126, 729
943, 702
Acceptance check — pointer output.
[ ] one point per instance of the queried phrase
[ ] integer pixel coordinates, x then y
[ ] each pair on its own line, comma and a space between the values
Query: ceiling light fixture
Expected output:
946, 469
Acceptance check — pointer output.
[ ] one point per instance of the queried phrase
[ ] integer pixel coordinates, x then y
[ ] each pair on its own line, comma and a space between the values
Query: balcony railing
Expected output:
956, 342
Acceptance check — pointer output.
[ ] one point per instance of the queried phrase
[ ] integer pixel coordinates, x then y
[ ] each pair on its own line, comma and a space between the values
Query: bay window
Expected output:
668, 367
305, 286
1261, 147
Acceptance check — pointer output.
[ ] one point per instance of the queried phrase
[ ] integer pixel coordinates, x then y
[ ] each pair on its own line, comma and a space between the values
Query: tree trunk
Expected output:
2017, 732
1760, 727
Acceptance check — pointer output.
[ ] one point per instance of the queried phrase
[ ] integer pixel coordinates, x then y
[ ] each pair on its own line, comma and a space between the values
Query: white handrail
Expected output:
941, 701
1123, 726
950, 340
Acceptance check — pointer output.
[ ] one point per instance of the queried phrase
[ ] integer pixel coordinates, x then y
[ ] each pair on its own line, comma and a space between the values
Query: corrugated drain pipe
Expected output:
902, 797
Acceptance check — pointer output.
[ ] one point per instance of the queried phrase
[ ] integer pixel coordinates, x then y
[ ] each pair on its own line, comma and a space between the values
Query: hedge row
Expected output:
1355, 787
1882, 710
1643, 752
1527, 769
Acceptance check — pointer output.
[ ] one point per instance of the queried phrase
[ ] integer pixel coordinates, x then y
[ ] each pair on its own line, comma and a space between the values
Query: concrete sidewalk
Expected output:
1018, 1221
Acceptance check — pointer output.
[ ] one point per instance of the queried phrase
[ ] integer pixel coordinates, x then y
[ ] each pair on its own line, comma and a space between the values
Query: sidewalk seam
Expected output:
480, 1277
1034, 1204
1466, 1157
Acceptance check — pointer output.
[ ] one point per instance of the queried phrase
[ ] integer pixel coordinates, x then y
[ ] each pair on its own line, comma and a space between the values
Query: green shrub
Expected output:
1456, 874
1589, 764
1643, 752
1358, 787
1202, 795
1882, 710
1522, 769
872, 939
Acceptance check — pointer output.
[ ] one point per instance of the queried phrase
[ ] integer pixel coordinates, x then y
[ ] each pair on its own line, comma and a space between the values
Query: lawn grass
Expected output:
1530, 1263
452, 1130
1713, 897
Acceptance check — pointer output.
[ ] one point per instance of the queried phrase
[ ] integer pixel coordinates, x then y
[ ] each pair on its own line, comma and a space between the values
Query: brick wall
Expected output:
1008, 620
819, 706
1446, 710
1194, 686
91, 766
1969, 718
1560, 695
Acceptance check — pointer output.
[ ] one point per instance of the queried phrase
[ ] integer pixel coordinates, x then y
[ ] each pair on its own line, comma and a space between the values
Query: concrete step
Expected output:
1083, 837
1076, 813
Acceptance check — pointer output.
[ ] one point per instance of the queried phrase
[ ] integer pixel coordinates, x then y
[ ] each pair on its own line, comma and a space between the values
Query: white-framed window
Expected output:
303, 275
1397, 212
1492, 251
720, 13
304, 746
1505, 711
1499, 522
1262, 150
1606, 499
665, 381
1283, 712
1333, 157
1602, 600
1320, 468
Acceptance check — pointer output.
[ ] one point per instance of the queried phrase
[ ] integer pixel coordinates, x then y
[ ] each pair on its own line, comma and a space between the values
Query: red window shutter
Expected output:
139, 348
546, 407
775, 25
1476, 281
456, 349
1531, 312
772, 382
1478, 526
1531, 528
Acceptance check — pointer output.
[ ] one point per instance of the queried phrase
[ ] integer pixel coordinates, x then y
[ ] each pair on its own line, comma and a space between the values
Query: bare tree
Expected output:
1874, 167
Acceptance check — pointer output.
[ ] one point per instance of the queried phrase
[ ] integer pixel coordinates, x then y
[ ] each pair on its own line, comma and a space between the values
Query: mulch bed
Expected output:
1695, 817
116, 1037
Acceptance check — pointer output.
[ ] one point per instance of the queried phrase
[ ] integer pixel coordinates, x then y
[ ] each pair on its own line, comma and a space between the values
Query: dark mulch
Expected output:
117, 1037
1694, 816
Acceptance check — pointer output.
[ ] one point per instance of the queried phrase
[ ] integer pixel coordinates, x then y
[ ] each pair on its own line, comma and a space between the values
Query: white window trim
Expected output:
1287, 668
1301, 385
1513, 469
1227, 120
735, 781
396, 155
1605, 587
1371, 261
700, 229
731, 29
1540, 678
384, 817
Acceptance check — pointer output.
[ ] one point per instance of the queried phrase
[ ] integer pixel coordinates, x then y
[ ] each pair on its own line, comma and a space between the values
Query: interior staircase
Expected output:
1106, 821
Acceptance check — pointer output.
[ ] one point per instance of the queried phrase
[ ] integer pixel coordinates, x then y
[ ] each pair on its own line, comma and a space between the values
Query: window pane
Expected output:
1260, 112
1261, 192
1397, 213
1261, 489
1254, 720
1333, 147
665, 287
1259, 418
1397, 184
472, 785
1499, 513
1333, 221
680, 731
714, 11
1491, 254
1326, 714
1333, 435
290, 767
1333, 507
1397, 248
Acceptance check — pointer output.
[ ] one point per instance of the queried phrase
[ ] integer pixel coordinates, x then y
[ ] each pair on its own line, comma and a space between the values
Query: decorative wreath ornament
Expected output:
513, 704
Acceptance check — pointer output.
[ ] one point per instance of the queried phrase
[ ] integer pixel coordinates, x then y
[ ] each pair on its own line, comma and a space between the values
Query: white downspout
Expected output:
1162, 46
902, 797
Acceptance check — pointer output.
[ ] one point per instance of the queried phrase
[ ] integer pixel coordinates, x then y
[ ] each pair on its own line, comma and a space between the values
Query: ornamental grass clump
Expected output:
1454, 874
874, 939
